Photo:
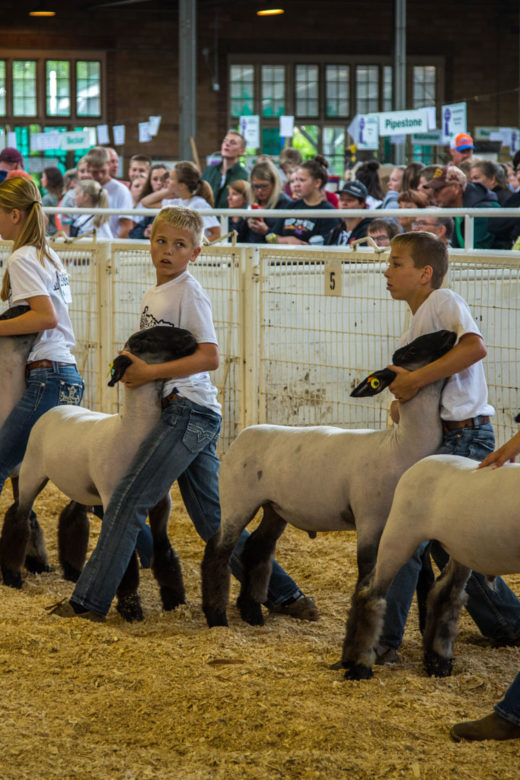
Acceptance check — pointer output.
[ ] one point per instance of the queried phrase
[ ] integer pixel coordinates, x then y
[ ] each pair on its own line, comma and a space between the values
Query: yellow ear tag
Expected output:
110, 369
374, 382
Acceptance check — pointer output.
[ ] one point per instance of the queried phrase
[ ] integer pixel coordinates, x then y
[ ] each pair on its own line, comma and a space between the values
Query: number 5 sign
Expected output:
334, 278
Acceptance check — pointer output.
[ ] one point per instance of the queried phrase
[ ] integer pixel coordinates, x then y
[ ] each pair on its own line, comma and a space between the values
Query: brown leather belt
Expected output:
46, 364
168, 399
471, 422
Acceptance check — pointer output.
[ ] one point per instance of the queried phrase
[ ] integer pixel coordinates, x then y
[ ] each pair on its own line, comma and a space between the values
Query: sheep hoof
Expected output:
358, 672
70, 573
129, 607
171, 598
36, 565
250, 610
215, 617
436, 665
13, 579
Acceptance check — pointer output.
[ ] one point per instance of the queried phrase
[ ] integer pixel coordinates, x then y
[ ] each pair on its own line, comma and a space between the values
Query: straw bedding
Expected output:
169, 698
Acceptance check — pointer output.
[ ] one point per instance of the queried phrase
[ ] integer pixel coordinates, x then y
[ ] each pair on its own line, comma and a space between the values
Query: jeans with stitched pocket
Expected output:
45, 388
181, 446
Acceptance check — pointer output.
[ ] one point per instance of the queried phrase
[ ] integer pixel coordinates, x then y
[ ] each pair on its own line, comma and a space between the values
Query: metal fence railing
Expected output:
297, 327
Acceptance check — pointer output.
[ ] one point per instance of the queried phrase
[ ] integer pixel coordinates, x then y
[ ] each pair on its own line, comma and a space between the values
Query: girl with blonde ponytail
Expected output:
35, 277
90, 194
188, 190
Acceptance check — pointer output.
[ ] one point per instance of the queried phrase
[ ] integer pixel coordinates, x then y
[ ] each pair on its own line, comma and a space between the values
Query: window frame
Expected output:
42, 56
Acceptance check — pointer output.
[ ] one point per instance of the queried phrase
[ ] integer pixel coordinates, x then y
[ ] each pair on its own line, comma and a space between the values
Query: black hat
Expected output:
355, 188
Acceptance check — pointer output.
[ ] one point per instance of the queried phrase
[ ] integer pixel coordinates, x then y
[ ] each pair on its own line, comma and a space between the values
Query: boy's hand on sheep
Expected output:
139, 373
404, 386
505, 453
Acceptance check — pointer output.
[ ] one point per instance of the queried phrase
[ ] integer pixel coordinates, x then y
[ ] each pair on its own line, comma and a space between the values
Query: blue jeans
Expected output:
495, 610
509, 707
182, 446
45, 388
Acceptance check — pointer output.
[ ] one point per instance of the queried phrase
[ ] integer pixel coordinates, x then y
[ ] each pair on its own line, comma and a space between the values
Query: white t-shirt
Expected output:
184, 303
28, 278
196, 203
84, 223
119, 197
465, 394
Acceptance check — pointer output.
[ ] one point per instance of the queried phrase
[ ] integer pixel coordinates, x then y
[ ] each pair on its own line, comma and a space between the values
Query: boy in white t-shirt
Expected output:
418, 264
182, 446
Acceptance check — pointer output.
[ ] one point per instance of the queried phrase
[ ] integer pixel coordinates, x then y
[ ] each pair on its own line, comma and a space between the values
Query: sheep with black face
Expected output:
85, 454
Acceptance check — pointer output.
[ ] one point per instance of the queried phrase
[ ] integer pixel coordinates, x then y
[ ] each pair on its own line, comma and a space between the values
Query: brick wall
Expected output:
479, 42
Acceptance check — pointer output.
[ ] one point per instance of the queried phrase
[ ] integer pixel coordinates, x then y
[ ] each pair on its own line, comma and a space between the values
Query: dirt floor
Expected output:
169, 698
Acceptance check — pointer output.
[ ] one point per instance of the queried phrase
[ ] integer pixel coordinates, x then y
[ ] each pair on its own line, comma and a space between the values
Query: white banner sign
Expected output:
368, 131
433, 138
78, 139
250, 129
119, 134
286, 126
403, 122
453, 121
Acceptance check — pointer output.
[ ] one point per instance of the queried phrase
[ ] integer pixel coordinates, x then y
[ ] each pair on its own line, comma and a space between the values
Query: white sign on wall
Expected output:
404, 122
453, 121
250, 129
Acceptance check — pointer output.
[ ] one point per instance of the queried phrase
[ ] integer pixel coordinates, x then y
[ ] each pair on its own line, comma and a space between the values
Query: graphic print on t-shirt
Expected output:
148, 320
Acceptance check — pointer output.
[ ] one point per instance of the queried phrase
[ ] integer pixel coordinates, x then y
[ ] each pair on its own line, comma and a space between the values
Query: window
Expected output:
57, 87
337, 90
3, 90
273, 90
367, 89
424, 85
88, 88
242, 90
24, 88
307, 90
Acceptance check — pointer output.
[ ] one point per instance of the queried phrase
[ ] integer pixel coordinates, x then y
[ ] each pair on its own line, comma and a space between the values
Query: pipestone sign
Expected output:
403, 122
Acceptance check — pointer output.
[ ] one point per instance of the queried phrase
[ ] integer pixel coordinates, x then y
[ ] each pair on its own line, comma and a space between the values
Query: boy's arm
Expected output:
205, 358
470, 349
507, 452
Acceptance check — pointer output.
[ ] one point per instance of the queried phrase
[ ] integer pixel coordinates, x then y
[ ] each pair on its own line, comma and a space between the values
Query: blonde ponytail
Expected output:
22, 194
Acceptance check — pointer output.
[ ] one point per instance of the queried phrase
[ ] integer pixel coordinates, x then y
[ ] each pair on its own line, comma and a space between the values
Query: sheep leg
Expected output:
128, 601
366, 558
215, 579
257, 562
16, 532
36, 560
364, 626
73, 534
445, 602
165, 562
424, 585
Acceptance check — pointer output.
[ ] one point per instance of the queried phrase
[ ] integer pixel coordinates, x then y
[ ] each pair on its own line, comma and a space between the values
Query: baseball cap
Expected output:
462, 142
446, 175
355, 188
10, 155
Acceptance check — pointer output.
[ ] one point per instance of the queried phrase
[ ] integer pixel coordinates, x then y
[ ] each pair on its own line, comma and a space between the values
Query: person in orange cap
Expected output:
461, 148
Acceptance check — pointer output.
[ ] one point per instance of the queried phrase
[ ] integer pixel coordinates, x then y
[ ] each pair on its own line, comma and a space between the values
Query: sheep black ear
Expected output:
119, 367
374, 383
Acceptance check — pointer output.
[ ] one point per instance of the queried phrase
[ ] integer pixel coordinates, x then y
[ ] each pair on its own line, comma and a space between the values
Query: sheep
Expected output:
14, 352
473, 513
85, 454
318, 479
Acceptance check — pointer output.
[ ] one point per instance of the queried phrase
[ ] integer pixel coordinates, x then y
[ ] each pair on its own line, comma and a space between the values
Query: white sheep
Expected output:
474, 514
318, 479
14, 352
85, 454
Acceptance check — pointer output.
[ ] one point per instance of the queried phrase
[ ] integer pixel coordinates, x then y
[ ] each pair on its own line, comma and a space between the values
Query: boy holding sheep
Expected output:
182, 445
417, 266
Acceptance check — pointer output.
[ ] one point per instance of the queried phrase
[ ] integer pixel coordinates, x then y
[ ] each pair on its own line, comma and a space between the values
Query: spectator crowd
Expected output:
467, 181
